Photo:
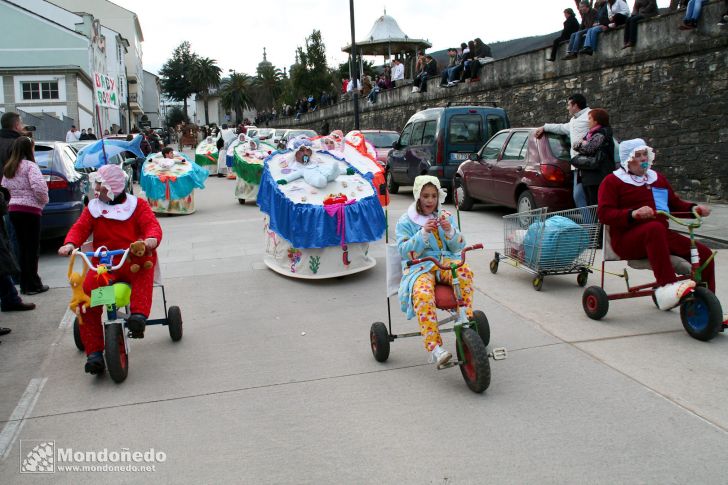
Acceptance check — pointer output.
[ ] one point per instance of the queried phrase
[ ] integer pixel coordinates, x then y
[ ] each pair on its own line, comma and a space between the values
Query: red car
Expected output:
516, 169
382, 141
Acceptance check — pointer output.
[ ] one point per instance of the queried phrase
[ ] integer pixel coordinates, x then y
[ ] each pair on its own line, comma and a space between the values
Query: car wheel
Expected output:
525, 202
462, 198
392, 186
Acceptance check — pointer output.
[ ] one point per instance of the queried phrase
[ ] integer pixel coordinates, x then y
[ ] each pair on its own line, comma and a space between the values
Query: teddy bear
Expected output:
140, 257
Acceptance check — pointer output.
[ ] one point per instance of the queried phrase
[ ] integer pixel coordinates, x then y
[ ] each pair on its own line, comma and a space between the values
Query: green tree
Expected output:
175, 115
236, 93
311, 74
343, 70
175, 80
205, 76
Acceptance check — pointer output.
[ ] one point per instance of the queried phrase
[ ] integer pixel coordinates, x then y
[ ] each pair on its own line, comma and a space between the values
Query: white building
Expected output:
127, 24
51, 72
152, 117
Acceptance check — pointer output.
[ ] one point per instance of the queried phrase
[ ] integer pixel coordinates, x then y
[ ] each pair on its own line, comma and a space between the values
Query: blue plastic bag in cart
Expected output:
554, 243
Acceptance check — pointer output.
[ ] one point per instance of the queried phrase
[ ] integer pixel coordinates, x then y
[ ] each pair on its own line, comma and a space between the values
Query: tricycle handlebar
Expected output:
675, 217
442, 266
103, 253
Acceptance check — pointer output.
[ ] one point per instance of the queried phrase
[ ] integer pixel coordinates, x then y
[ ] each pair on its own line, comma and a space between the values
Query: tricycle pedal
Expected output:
449, 364
498, 353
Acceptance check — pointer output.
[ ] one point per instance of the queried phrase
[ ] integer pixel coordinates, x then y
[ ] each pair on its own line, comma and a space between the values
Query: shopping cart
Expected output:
550, 243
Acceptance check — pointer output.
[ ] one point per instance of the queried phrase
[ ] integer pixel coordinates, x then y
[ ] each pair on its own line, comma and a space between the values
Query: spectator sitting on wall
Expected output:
429, 70
420, 64
452, 61
642, 9
366, 85
468, 57
692, 14
483, 55
90, 134
397, 73
344, 85
456, 72
611, 15
589, 19
571, 26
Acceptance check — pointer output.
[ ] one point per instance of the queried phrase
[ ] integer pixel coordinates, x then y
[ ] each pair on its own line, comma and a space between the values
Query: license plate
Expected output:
459, 156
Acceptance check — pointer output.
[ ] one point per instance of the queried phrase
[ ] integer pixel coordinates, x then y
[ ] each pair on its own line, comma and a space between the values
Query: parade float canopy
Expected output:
386, 37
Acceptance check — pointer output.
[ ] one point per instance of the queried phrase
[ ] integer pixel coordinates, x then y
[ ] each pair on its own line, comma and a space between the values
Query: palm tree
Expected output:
236, 94
205, 76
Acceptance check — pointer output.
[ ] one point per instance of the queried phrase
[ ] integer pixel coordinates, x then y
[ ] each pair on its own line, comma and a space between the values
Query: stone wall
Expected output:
671, 90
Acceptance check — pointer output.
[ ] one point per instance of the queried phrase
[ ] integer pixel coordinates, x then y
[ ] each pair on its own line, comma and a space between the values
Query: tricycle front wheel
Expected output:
379, 341
475, 366
701, 314
77, 335
174, 323
117, 360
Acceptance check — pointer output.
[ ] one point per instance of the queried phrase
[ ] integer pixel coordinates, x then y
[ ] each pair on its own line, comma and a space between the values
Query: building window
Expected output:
40, 90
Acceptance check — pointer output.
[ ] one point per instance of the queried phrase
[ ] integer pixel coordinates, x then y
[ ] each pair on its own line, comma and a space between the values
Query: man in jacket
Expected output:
588, 20
576, 129
571, 26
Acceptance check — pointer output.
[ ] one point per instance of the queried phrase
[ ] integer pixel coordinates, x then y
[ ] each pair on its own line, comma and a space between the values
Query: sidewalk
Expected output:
714, 228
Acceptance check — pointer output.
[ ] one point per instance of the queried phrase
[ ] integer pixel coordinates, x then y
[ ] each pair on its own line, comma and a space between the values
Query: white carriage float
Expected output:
206, 154
320, 221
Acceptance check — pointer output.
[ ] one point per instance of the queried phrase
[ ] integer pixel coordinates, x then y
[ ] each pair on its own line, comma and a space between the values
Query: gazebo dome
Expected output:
385, 28
385, 38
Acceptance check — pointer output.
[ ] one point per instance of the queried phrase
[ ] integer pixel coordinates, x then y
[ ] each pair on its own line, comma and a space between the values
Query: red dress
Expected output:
116, 227
647, 238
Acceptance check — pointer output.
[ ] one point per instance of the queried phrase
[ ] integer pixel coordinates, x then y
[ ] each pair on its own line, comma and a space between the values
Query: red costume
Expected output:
647, 238
115, 226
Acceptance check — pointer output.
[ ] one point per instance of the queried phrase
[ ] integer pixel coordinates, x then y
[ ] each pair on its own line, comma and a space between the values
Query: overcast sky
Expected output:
234, 32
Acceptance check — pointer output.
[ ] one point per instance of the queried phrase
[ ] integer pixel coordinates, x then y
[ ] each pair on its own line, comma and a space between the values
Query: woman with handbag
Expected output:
596, 154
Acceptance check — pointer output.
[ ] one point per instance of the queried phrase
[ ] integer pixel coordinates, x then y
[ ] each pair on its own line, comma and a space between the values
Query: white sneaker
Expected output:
415, 89
440, 356
669, 296
451, 84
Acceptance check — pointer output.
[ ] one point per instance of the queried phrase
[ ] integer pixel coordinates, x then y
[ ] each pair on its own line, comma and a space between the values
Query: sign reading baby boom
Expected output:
105, 90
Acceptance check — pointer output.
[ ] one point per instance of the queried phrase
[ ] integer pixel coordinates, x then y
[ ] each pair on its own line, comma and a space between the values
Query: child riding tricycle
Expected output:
116, 220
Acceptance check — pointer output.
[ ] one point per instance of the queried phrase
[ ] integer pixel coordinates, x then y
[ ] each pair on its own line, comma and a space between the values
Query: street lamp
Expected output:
355, 71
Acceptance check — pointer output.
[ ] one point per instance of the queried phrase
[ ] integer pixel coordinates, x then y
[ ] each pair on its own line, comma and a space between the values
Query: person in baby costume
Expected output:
116, 220
427, 230
628, 200
304, 164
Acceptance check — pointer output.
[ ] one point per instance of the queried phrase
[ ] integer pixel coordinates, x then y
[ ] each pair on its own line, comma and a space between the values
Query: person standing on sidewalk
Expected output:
28, 196
576, 128
9, 299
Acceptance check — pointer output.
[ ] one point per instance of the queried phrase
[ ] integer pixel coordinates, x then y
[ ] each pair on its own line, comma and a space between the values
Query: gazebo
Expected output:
386, 38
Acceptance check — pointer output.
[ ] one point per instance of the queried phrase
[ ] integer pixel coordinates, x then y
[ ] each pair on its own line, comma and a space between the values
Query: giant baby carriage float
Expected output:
472, 337
115, 298
700, 310
206, 154
320, 215
169, 183
550, 243
247, 164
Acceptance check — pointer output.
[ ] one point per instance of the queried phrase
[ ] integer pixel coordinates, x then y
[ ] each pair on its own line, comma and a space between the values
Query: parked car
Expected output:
290, 134
515, 169
382, 141
66, 186
435, 141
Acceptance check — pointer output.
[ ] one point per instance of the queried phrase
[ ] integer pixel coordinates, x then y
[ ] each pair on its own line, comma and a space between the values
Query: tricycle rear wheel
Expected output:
174, 322
595, 302
483, 326
117, 360
77, 335
701, 314
379, 341
476, 367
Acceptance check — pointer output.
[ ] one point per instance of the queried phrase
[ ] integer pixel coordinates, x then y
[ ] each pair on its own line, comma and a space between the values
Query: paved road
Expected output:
245, 397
